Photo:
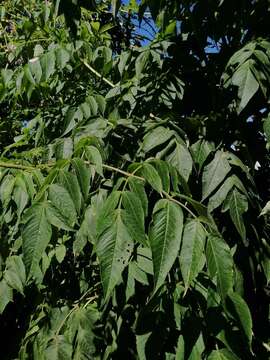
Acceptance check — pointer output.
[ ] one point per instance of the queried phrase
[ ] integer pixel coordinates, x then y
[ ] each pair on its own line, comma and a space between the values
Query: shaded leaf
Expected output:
56, 218
238, 205
62, 201
214, 173
200, 151
59, 349
266, 209
71, 184
239, 309
83, 175
151, 176
220, 263
156, 137
192, 251
133, 216
47, 62
60, 253
6, 295
95, 158
181, 159
247, 84
137, 187
15, 273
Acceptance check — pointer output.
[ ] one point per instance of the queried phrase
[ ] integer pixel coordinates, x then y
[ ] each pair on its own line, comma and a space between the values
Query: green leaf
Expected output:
95, 158
47, 62
15, 273
81, 332
240, 311
36, 70
62, 58
6, 295
162, 168
62, 201
214, 173
36, 235
58, 219
181, 159
133, 216
151, 176
141, 62
93, 105
165, 238
137, 187
87, 231
101, 102
192, 251
219, 197
247, 84
59, 349
83, 175
64, 148
266, 129
60, 253
144, 260
70, 182
114, 247
107, 211
156, 137
115, 6
235, 161
6, 189
137, 273
28, 75
197, 349
180, 350
222, 354
220, 263
266, 209
238, 205
141, 341
200, 151
20, 197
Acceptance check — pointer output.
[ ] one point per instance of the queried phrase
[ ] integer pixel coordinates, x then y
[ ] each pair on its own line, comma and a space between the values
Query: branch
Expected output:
8, 165
179, 203
108, 82
112, 168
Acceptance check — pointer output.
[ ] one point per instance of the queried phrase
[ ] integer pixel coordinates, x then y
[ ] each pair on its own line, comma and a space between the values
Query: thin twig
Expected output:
112, 168
105, 166
89, 67
179, 203
9, 165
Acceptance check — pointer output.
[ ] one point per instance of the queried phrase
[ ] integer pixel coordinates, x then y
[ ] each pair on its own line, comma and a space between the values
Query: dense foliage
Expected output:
134, 187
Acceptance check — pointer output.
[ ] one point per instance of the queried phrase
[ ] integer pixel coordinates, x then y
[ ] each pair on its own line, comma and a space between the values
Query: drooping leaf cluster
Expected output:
134, 218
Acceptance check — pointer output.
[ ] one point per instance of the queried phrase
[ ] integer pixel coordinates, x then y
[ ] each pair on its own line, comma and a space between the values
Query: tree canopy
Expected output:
134, 179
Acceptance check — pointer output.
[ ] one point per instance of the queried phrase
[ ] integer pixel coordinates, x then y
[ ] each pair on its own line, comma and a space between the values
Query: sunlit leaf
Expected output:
165, 238
36, 235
